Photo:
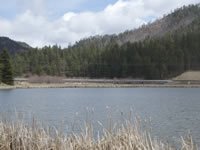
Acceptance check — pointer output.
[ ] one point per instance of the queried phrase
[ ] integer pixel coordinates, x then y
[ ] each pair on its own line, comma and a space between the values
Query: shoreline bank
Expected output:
97, 85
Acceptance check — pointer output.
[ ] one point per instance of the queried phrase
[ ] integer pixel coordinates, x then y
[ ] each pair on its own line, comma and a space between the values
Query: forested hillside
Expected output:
160, 50
12, 46
179, 20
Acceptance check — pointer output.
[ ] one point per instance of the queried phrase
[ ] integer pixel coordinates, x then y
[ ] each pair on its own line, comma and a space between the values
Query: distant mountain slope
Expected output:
12, 46
180, 20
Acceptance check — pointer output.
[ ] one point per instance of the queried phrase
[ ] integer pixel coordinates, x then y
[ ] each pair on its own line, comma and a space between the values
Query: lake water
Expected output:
174, 112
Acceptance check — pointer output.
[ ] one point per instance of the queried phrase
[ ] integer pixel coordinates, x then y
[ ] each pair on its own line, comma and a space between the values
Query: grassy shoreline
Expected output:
95, 85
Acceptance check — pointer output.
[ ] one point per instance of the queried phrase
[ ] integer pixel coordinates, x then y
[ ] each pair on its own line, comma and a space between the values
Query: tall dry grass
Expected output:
129, 136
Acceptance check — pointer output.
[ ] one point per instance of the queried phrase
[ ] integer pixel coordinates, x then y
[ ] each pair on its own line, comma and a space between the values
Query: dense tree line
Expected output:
157, 58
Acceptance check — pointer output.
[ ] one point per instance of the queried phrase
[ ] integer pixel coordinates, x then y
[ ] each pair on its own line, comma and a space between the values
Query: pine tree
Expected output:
0, 72
6, 69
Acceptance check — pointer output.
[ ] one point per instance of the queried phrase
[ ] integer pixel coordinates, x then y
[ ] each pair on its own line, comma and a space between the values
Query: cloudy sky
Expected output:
62, 22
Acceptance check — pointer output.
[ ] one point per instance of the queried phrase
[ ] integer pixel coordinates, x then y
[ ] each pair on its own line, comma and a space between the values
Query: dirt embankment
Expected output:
189, 75
98, 85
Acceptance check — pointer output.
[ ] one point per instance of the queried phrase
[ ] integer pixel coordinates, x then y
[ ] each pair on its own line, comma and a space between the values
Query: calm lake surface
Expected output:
174, 112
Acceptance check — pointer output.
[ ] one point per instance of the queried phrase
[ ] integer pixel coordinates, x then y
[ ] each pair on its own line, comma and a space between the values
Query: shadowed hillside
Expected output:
12, 46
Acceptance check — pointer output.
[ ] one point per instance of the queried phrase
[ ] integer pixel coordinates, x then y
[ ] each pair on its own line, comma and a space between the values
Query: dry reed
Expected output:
129, 136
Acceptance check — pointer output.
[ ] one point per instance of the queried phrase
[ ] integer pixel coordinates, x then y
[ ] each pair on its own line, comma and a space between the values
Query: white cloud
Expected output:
38, 30
69, 16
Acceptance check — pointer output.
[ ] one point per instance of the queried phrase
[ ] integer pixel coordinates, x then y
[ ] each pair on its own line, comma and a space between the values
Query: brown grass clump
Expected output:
45, 79
19, 136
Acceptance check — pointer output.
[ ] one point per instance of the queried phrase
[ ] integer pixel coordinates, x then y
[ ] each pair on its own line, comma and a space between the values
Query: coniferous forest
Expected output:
158, 57
151, 59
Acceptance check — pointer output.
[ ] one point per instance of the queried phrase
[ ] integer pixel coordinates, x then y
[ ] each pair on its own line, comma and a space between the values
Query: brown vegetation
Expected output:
19, 136
46, 79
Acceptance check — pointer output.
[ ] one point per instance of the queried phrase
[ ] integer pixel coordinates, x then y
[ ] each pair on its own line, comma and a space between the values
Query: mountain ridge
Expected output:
177, 21
13, 47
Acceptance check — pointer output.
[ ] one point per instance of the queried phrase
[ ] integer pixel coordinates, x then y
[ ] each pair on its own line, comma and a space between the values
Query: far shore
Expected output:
96, 85
189, 79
